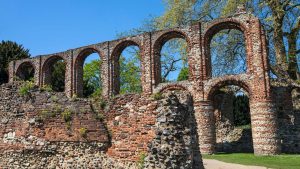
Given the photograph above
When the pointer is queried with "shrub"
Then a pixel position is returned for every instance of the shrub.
(67, 115)
(83, 132)
(68, 124)
(99, 116)
(25, 88)
(141, 161)
(54, 98)
(46, 114)
(102, 104)
(46, 88)
(157, 96)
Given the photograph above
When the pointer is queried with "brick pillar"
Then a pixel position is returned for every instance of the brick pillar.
(69, 75)
(264, 128)
(206, 126)
(263, 114)
(146, 63)
(105, 76)
(11, 71)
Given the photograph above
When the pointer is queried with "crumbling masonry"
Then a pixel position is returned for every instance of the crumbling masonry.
(201, 85)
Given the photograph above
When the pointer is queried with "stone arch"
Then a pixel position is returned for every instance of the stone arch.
(47, 68)
(213, 29)
(225, 82)
(26, 70)
(78, 68)
(157, 47)
(172, 87)
(115, 66)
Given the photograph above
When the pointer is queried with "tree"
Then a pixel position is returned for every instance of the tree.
(92, 78)
(184, 74)
(279, 17)
(58, 76)
(130, 72)
(10, 51)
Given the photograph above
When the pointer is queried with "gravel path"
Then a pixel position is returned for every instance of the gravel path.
(215, 164)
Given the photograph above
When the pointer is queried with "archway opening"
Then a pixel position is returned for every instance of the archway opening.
(228, 53)
(174, 60)
(54, 71)
(25, 72)
(130, 70)
(88, 74)
(232, 119)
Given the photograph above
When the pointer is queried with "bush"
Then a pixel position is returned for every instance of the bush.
(46, 88)
(102, 104)
(83, 132)
(54, 99)
(141, 161)
(157, 96)
(25, 88)
(46, 114)
(100, 116)
(67, 115)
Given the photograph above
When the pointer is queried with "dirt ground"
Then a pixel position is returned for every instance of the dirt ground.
(215, 164)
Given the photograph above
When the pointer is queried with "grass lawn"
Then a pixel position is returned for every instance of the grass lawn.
(276, 162)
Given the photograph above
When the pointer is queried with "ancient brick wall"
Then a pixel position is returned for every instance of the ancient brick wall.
(50, 117)
(201, 85)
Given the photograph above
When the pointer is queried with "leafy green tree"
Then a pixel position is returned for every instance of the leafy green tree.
(241, 110)
(279, 17)
(92, 78)
(130, 72)
(184, 74)
(58, 76)
(10, 51)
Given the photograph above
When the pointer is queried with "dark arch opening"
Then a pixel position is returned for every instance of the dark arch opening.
(88, 74)
(25, 71)
(232, 119)
(225, 48)
(127, 68)
(171, 57)
(54, 71)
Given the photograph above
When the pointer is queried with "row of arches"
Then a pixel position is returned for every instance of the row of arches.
(171, 53)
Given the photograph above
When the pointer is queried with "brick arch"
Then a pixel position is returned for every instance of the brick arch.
(212, 30)
(78, 68)
(225, 82)
(115, 66)
(172, 87)
(157, 47)
(46, 68)
(20, 70)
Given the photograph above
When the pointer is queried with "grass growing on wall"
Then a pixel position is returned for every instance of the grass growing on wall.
(276, 162)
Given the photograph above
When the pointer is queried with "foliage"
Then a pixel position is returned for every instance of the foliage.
(141, 161)
(10, 51)
(83, 132)
(184, 74)
(241, 110)
(24, 90)
(173, 59)
(281, 20)
(92, 78)
(58, 76)
(46, 114)
(99, 116)
(46, 88)
(130, 71)
(67, 115)
(54, 98)
(276, 162)
(157, 96)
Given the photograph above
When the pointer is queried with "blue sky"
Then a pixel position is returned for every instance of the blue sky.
(50, 26)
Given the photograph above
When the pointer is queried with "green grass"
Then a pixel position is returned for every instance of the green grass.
(276, 162)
